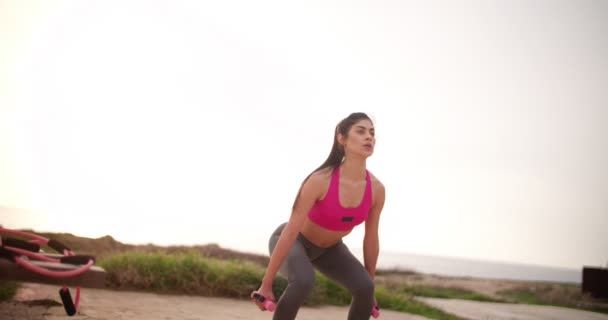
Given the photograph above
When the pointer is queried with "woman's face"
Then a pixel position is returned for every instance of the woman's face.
(360, 139)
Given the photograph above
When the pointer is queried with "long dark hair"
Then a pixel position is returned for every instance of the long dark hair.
(336, 155)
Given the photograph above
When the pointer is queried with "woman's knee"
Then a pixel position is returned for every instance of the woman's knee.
(363, 287)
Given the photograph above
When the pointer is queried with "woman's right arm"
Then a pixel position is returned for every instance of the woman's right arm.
(311, 191)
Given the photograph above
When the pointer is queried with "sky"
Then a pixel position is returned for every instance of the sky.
(188, 122)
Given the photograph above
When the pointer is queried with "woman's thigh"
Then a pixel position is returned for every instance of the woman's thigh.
(340, 265)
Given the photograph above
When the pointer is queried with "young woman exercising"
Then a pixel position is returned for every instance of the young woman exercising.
(332, 200)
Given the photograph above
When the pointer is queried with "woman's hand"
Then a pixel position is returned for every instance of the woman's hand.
(266, 293)
(376, 309)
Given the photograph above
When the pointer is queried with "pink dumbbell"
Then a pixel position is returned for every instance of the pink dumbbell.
(375, 311)
(267, 303)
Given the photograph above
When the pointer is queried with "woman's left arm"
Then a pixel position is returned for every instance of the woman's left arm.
(371, 242)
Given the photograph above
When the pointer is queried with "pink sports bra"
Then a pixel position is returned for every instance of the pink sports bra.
(329, 213)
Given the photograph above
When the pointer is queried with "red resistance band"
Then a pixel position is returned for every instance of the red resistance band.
(24, 253)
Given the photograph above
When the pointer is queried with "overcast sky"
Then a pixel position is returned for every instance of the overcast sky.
(189, 122)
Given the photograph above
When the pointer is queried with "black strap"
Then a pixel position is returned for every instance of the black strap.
(7, 254)
(21, 244)
(78, 259)
(57, 246)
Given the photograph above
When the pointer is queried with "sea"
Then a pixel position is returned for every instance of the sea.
(461, 267)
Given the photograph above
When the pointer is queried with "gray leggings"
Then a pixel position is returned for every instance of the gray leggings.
(335, 262)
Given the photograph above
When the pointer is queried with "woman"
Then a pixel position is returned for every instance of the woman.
(332, 200)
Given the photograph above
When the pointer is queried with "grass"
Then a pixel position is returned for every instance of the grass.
(443, 292)
(560, 295)
(405, 303)
(191, 273)
(8, 289)
(213, 271)
(524, 296)
(181, 273)
(447, 293)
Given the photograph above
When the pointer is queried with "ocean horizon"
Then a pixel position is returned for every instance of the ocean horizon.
(462, 267)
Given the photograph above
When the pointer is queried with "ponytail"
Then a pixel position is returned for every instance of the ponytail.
(336, 155)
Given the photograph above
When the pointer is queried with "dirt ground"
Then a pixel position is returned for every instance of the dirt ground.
(100, 304)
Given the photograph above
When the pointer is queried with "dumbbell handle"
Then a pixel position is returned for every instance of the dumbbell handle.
(267, 303)
(375, 311)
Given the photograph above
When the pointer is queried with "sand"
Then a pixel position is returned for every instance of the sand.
(98, 304)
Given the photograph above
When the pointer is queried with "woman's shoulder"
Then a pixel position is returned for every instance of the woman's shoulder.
(317, 183)
(377, 185)
(378, 191)
(321, 176)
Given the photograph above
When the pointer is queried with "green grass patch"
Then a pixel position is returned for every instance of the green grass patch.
(559, 295)
(8, 289)
(446, 293)
(524, 296)
(191, 273)
(406, 303)
(186, 272)
(597, 309)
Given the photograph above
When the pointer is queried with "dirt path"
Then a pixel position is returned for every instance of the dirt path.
(506, 311)
(99, 304)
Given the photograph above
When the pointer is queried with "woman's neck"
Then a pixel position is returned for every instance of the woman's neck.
(353, 169)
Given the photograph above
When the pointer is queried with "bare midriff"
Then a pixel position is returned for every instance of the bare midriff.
(320, 236)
